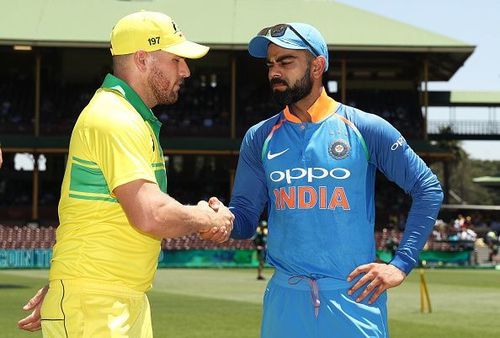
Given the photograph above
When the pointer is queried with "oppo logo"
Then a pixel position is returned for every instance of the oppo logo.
(311, 174)
(398, 143)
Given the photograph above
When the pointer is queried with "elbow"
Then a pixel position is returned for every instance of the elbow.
(438, 193)
(144, 226)
(153, 223)
(148, 222)
(429, 190)
(440, 196)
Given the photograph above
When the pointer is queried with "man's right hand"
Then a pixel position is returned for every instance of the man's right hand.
(223, 222)
(32, 322)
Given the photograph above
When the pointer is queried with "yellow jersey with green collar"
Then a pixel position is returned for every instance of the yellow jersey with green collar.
(115, 141)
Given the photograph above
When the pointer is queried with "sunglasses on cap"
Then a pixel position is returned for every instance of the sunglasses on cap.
(279, 30)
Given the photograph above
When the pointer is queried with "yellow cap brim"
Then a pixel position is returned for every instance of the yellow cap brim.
(187, 49)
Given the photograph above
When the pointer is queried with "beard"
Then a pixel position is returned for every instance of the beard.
(301, 89)
(162, 88)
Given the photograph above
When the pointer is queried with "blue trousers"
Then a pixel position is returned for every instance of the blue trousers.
(300, 307)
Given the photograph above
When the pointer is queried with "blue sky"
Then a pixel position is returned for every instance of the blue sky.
(474, 22)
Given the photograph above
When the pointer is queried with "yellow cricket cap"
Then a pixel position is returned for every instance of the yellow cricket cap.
(151, 31)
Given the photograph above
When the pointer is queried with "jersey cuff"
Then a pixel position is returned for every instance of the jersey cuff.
(402, 263)
(138, 175)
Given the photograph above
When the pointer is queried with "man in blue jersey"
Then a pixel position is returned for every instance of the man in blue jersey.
(314, 166)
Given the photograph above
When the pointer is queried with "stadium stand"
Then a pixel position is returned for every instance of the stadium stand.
(27, 237)
(23, 237)
(16, 102)
(454, 243)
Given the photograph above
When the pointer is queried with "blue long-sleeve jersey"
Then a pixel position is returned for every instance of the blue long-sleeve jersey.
(318, 182)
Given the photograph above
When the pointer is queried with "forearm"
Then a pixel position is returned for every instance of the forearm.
(250, 189)
(155, 213)
(172, 219)
(245, 223)
(247, 202)
(421, 219)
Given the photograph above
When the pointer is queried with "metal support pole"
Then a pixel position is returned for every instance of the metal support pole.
(233, 96)
(344, 81)
(36, 181)
(426, 97)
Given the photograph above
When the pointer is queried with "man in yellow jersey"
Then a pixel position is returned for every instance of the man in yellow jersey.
(114, 209)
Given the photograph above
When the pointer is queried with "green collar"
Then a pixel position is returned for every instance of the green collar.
(117, 85)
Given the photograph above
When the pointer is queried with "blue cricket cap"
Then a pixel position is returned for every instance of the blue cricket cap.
(291, 36)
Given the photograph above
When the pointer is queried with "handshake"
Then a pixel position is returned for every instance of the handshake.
(220, 224)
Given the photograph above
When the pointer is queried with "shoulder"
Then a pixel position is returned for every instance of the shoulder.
(261, 130)
(377, 135)
(363, 120)
(372, 128)
(107, 111)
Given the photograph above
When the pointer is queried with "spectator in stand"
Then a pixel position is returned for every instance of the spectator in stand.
(459, 221)
(495, 226)
(492, 241)
(453, 234)
(466, 233)
(439, 232)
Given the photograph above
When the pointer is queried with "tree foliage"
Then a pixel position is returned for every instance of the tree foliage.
(462, 170)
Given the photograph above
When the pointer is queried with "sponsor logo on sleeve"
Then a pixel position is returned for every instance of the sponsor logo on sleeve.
(399, 143)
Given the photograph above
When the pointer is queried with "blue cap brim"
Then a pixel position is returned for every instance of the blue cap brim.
(257, 47)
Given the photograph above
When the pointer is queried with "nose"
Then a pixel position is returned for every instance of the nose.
(184, 71)
(273, 72)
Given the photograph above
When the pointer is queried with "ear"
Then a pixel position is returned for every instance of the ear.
(318, 66)
(141, 60)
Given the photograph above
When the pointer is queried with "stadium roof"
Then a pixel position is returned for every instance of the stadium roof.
(492, 181)
(464, 98)
(471, 207)
(227, 24)
(475, 98)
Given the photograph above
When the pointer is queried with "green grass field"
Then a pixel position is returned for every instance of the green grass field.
(227, 303)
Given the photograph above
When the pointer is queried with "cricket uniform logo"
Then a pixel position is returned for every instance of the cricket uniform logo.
(339, 149)
(271, 156)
